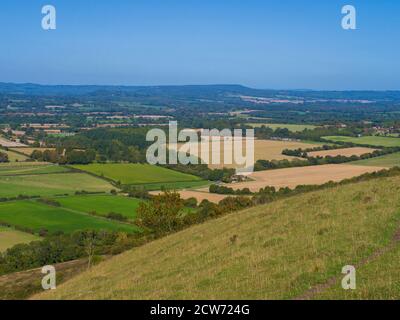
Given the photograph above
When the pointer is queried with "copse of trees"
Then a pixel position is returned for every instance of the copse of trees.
(136, 192)
(50, 202)
(70, 157)
(303, 152)
(202, 171)
(110, 144)
(316, 134)
(229, 191)
(4, 157)
(63, 247)
(162, 214)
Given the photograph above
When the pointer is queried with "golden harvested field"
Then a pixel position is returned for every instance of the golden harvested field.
(199, 195)
(263, 150)
(292, 177)
(28, 151)
(347, 152)
(202, 195)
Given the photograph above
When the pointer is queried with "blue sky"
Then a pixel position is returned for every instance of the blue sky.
(285, 44)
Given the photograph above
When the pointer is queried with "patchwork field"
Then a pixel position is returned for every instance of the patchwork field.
(101, 204)
(10, 237)
(346, 152)
(30, 168)
(263, 150)
(37, 216)
(290, 127)
(368, 140)
(51, 184)
(389, 160)
(282, 250)
(292, 177)
(139, 174)
(28, 151)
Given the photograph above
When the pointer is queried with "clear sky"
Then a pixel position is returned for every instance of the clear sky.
(285, 44)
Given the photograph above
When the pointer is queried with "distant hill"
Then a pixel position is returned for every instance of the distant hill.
(288, 249)
(192, 91)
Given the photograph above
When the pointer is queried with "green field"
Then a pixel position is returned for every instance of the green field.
(367, 140)
(138, 174)
(282, 250)
(102, 204)
(290, 127)
(389, 160)
(10, 237)
(51, 184)
(27, 168)
(36, 216)
(13, 156)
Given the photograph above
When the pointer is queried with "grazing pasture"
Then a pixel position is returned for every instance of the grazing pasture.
(10, 237)
(30, 168)
(101, 204)
(292, 177)
(346, 152)
(389, 160)
(51, 184)
(137, 174)
(367, 140)
(37, 216)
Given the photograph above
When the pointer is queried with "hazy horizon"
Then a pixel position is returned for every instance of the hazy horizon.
(290, 44)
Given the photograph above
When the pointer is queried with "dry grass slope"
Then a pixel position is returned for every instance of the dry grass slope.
(282, 249)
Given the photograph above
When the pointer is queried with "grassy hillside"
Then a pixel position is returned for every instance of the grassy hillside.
(281, 251)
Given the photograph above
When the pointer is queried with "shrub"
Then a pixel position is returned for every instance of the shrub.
(191, 202)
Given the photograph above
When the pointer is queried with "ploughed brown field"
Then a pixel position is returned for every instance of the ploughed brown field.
(199, 195)
(347, 152)
(263, 150)
(292, 177)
